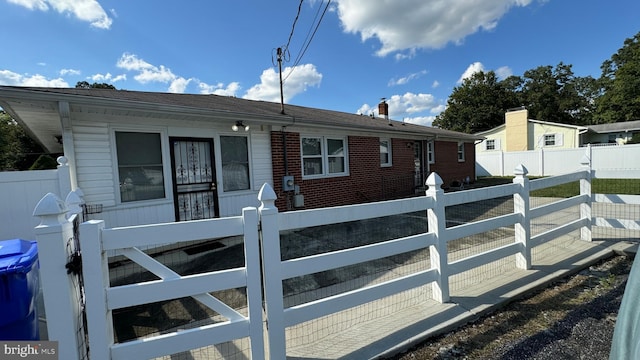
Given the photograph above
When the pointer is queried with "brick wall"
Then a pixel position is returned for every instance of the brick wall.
(368, 181)
(447, 164)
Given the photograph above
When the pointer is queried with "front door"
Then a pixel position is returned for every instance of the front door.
(194, 179)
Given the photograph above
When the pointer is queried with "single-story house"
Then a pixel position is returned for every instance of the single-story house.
(150, 157)
(519, 133)
(618, 133)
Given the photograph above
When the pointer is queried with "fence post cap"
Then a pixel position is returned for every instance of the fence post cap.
(267, 197)
(585, 161)
(520, 170)
(62, 161)
(74, 201)
(50, 209)
(434, 180)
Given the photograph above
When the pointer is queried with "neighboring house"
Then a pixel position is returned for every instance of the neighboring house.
(519, 133)
(618, 133)
(159, 157)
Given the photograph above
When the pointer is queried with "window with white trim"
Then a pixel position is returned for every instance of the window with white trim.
(492, 144)
(430, 152)
(551, 140)
(460, 151)
(385, 152)
(140, 167)
(235, 163)
(323, 156)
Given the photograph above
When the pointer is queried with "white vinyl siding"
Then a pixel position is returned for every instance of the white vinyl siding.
(94, 165)
(261, 159)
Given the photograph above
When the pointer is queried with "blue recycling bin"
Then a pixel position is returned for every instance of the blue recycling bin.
(19, 286)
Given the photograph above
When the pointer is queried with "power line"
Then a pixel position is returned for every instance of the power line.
(308, 38)
(293, 27)
(283, 53)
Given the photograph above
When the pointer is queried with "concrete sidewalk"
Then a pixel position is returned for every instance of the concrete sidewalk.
(383, 336)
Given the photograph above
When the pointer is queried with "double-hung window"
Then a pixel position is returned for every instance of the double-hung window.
(235, 163)
(460, 151)
(385, 152)
(323, 156)
(551, 139)
(140, 169)
(430, 152)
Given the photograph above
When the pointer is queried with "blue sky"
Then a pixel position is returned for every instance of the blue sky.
(411, 52)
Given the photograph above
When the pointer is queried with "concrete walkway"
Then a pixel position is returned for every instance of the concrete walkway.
(399, 330)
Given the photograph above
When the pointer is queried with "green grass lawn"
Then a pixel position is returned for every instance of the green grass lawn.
(598, 186)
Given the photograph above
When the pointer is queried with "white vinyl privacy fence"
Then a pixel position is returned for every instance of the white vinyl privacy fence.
(262, 317)
(549, 162)
(20, 191)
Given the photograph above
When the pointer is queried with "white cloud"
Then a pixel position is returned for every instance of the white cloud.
(408, 25)
(147, 73)
(406, 79)
(220, 89)
(365, 109)
(410, 103)
(108, 78)
(420, 120)
(14, 79)
(179, 85)
(472, 69)
(85, 10)
(400, 106)
(298, 79)
(435, 84)
(72, 72)
(503, 72)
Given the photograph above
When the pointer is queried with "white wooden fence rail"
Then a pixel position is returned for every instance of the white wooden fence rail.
(265, 271)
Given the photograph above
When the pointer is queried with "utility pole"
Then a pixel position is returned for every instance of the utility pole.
(279, 53)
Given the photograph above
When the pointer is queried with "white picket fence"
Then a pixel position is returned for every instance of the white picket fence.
(264, 270)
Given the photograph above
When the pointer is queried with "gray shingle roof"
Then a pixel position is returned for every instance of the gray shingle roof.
(237, 106)
(616, 127)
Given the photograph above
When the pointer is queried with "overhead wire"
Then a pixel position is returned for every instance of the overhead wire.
(293, 27)
(308, 38)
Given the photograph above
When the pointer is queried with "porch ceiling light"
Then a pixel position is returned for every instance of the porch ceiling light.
(239, 125)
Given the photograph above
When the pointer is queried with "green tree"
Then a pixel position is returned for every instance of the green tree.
(620, 80)
(478, 104)
(557, 95)
(17, 150)
(86, 85)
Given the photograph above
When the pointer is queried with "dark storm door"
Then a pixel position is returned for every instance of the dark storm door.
(194, 179)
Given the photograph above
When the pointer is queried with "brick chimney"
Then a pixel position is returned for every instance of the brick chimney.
(383, 108)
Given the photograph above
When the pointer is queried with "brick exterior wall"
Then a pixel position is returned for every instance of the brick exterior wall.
(368, 181)
(446, 162)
